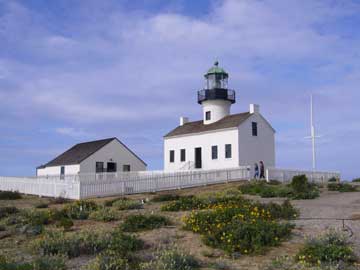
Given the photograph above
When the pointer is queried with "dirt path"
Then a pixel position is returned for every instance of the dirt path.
(331, 205)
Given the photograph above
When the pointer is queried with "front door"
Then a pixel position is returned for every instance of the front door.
(198, 161)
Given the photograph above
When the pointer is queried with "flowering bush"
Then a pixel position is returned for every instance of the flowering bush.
(332, 247)
(192, 202)
(245, 227)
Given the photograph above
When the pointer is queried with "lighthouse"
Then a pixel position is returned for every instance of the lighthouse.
(219, 139)
(216, 99)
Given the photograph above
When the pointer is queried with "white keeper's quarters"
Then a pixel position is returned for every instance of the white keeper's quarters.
(108, 155)
(220, 140)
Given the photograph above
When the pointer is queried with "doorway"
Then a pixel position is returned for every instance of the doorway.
(198, 159)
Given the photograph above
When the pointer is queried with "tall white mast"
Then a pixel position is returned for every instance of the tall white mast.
(312, 133)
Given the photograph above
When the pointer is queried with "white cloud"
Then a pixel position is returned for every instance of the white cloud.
(72, 132)
(126, 70)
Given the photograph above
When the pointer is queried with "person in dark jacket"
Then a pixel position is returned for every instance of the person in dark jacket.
(256, 169)
(262, 170)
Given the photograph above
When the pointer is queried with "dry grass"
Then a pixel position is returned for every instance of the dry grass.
(16, 244)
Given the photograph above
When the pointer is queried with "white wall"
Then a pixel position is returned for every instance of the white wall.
(55, 170)
(255, 148)
(218, 108)
(117, 153)
(205, 141)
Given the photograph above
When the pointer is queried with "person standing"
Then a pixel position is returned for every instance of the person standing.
(256, 169)
(262, 170)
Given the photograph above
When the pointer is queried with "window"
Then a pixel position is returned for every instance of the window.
(99, 167)
(214, 152)
(172, 156)
(126, 168)
(62, 172)
(227, 150)
(208, 115)
(182, 155)
(254, 128)
(111, 167)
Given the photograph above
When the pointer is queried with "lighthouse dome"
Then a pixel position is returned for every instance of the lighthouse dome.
(216, 70)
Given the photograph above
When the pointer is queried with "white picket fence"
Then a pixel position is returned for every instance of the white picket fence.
(82, 186)
(286, 175)
(51, 186)
(107, 184)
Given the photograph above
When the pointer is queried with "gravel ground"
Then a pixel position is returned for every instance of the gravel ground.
(331, 205)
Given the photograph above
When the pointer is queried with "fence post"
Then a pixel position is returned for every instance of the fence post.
(38, 183)
(267, 175)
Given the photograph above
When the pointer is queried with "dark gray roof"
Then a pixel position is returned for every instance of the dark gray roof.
(233, 120)
(81, 151)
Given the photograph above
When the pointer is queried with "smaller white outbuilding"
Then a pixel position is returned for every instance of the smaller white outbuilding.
(107, 155)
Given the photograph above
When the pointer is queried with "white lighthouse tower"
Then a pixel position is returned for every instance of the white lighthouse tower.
(216, 98)
(219, 139)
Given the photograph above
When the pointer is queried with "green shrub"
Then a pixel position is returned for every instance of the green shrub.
(220, 265)
(333, 247)
(126, 204)
(7, 210)
(109, 260)
(41, 263)
(49, 263)
(59, 200)
(136, 223)
(183, 204)
(10, 195)
(280, 211)
(2, 228)
(80, 209)
(36, 217)
(29, 222)
(41, 205)
(266, 190)
(333, 180)
(341, 187)
(171, 259)
(104, 214)
(356, 180)
(74, 245)
(303, 190)
(274, 182)
(165, 197)
(65, 223)
(110, 202)
(298, 189)
(57, 243)
(57, 214)
(300, 183)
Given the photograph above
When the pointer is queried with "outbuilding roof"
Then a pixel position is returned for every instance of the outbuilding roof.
(82, 151)
(233, 120)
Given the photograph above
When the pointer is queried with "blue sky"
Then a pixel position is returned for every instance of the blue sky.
(72, 71)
